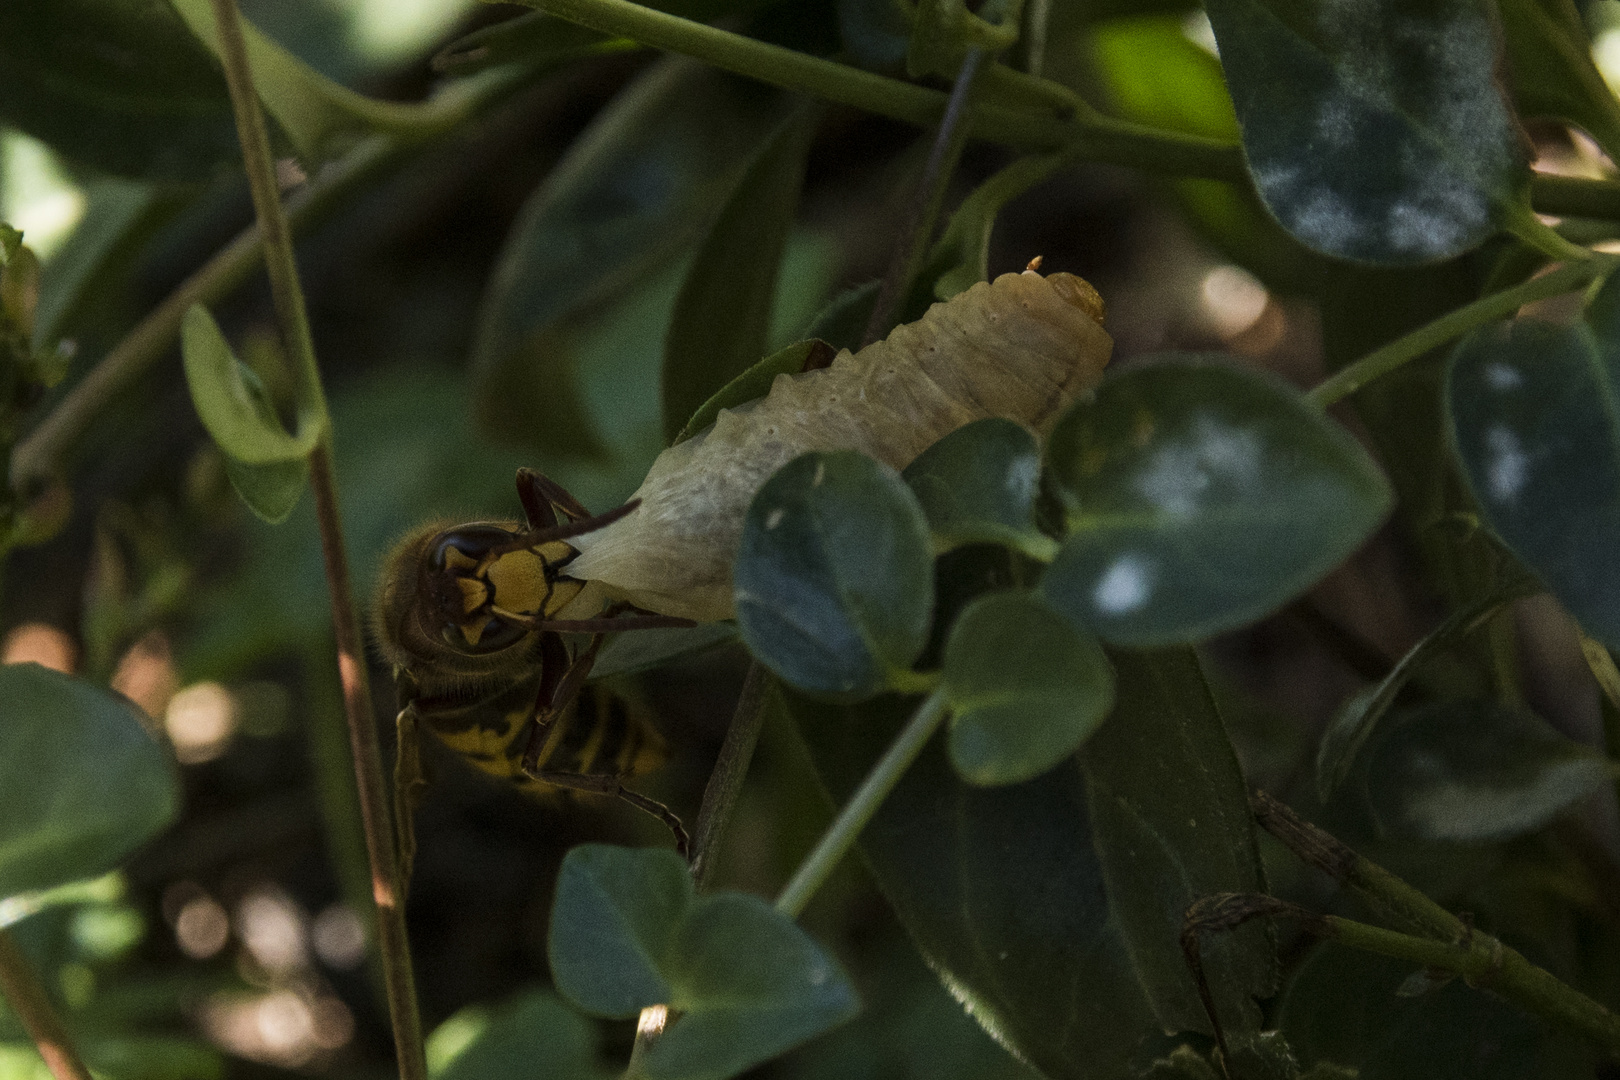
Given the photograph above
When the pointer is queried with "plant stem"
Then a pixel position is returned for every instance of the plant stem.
(1037, 13)
(1573, 196)
(1454, 324)
(1104, 138)
(840, 836)
(1447, 941)
(1484, 961)
(730, 769)
(33, 1008)
(918, 228)
(289, 302)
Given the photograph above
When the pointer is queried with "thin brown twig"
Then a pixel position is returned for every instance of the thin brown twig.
(730, 769)
(393, 944)
(32, 1006)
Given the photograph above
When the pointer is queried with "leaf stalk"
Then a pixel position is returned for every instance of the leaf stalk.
(32, 1006)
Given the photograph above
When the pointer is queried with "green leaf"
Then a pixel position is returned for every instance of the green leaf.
(267, 466)
(842, 322)
(978, 485)
(322, 118)
(1000, 888)
(644, 650)
(644, 180)
(723, 314)
(10, 243)
(1354, 724)
(1170, 815)
(1341, 1007)
(1199, 498)
(1550, 66)
(834, 576)
(85, 784)
(628, 931)
(1375, 131)
(755, 382)
(1025, 688)
(160, 110)
(1156, 75)
(943, 30)
(535, 1036)
(1535, 419)
(1477, 771)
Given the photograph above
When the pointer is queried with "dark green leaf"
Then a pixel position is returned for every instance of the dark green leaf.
(535, 1036)
(629, 931)
(943, 30)
(1347, 734)
(10, 243)
(1170, 814)
(755, 382)
(84, 783)
(834, 576)
(1374, 131)
(644, 650)
(1156, 75)
(1001, 890)
(723, 314)
(1341, 1007)
(120, 86)
(1476, 771)
(267, 466)
(644, 180)
(1025, 688)
(124, 1057)
(1201, 497)
(1550, 63)
(1533, 410)
(614, 925)
(875, 33)
(978, 485)
(842, 322)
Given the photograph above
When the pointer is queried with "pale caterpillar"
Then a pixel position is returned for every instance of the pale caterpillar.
(1022, 347)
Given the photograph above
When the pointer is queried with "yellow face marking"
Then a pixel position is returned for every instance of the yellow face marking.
(456, 559)
(473, 594)
(473, 631)
(518, 581)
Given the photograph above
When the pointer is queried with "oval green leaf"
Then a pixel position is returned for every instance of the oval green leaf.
(1476, 771)
(1535, 419)
(1377, 130)
(834, 576)
(535, 1036)
(84, 783)
(978, 485)
(756, 382)
(1025, 687)
(613, 926)
(1199, 498)
(629, 931)
(749, 985)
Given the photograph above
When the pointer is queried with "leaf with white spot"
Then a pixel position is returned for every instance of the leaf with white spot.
(1535, 419)
(1199, 497)
(1375, 129)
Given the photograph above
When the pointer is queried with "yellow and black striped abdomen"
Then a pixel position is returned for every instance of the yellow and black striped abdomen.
(602, 732)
